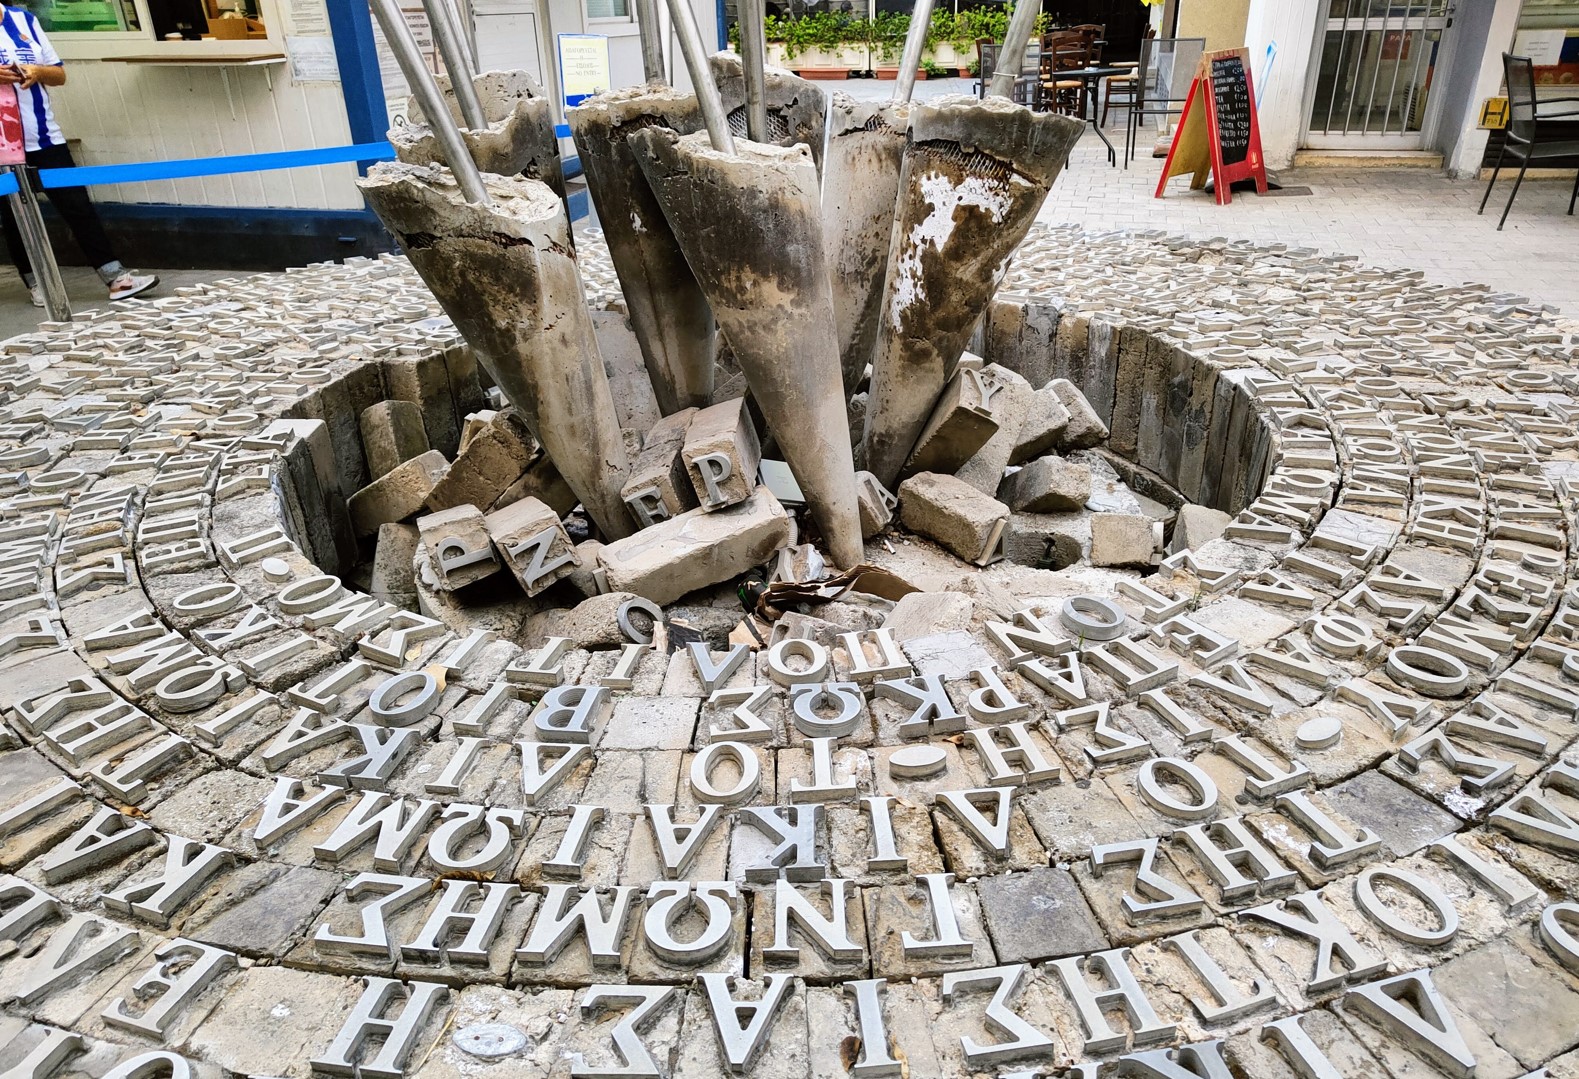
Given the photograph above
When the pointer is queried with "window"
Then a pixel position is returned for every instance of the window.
(608, 9)
(1549, 35)
(85, 16)
(194, 20)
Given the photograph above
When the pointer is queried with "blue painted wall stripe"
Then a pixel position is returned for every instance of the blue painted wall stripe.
(94, 175)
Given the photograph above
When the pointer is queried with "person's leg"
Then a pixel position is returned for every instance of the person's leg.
(13, 243)
(76, 209)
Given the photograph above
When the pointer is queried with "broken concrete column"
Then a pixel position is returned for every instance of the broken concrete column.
(533, 542)
(751, 226)
(392, 433)
(796, 107)
(722, 454)
(955, 514)
(673, 323)
(518, 141)
(460, 546)
(506, 275)
(658, 487)
(493, 459)
(866, 143)
(697, 549)
(975, 173)
(961, 423)
(397, 494)
(1048, 485)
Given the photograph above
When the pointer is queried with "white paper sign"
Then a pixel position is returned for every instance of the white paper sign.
(1543, 47)
(312, 59)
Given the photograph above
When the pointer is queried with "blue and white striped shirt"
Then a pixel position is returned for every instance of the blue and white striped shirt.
(23, 42)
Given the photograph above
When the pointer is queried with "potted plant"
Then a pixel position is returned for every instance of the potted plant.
(886, 38)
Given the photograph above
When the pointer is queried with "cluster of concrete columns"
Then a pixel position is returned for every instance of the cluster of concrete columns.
(832, 246)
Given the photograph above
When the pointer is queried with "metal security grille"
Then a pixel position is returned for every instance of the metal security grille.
(1373, 80)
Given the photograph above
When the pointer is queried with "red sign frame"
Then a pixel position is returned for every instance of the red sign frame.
(1197, 145)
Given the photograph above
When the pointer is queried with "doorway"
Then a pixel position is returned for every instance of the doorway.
(1372, 79)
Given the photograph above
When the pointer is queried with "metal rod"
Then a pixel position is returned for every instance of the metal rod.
(915, 42)
(447, 33)
(467, 55)
(1012, 56)
(461, 9)
(753, 49)
(706, 89)
(35, 240)
(651, 40)
(420, 79)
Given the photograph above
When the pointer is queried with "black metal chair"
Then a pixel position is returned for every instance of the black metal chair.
(986, 64)
(1523, 135)
(1025, 84)
(1167, 67)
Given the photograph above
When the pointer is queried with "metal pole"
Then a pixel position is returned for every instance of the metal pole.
(701, 78)
(1012, 56)
(651, 40)
(915, 42)
(420, 79)
(461, 11)
(35, 240)
(447, 32)
(753, 49)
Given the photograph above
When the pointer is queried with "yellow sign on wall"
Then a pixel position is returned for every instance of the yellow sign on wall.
(583, 66)
(1494, 114)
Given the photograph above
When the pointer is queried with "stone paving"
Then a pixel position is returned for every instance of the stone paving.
(1302, 799)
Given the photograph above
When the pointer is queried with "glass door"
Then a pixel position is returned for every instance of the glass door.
(1371, 85)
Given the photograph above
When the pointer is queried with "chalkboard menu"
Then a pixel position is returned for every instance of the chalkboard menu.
(1231, 96)
(1217, 131)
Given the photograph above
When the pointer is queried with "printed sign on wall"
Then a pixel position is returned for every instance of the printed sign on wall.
(583, 66)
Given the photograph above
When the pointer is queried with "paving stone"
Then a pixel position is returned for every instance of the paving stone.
(1404, 821)
(1038, 915)
(1084, 428)
(398, 494)
(1119, 539)
(1047, 485)
(958, 516)
(392, 433)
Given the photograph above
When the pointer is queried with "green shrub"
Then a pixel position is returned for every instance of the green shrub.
(885, 35)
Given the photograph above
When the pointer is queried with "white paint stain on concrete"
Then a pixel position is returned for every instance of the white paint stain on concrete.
(946, 199)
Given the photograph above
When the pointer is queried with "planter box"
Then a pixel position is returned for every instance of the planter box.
(892, 73)
(818, 63)
(944, 55)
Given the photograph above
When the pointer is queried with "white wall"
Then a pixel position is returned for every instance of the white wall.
(1486, 31)
(124, 113)
(1291, 26)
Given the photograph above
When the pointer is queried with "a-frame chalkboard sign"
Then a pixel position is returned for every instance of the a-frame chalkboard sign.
(1218, 129)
